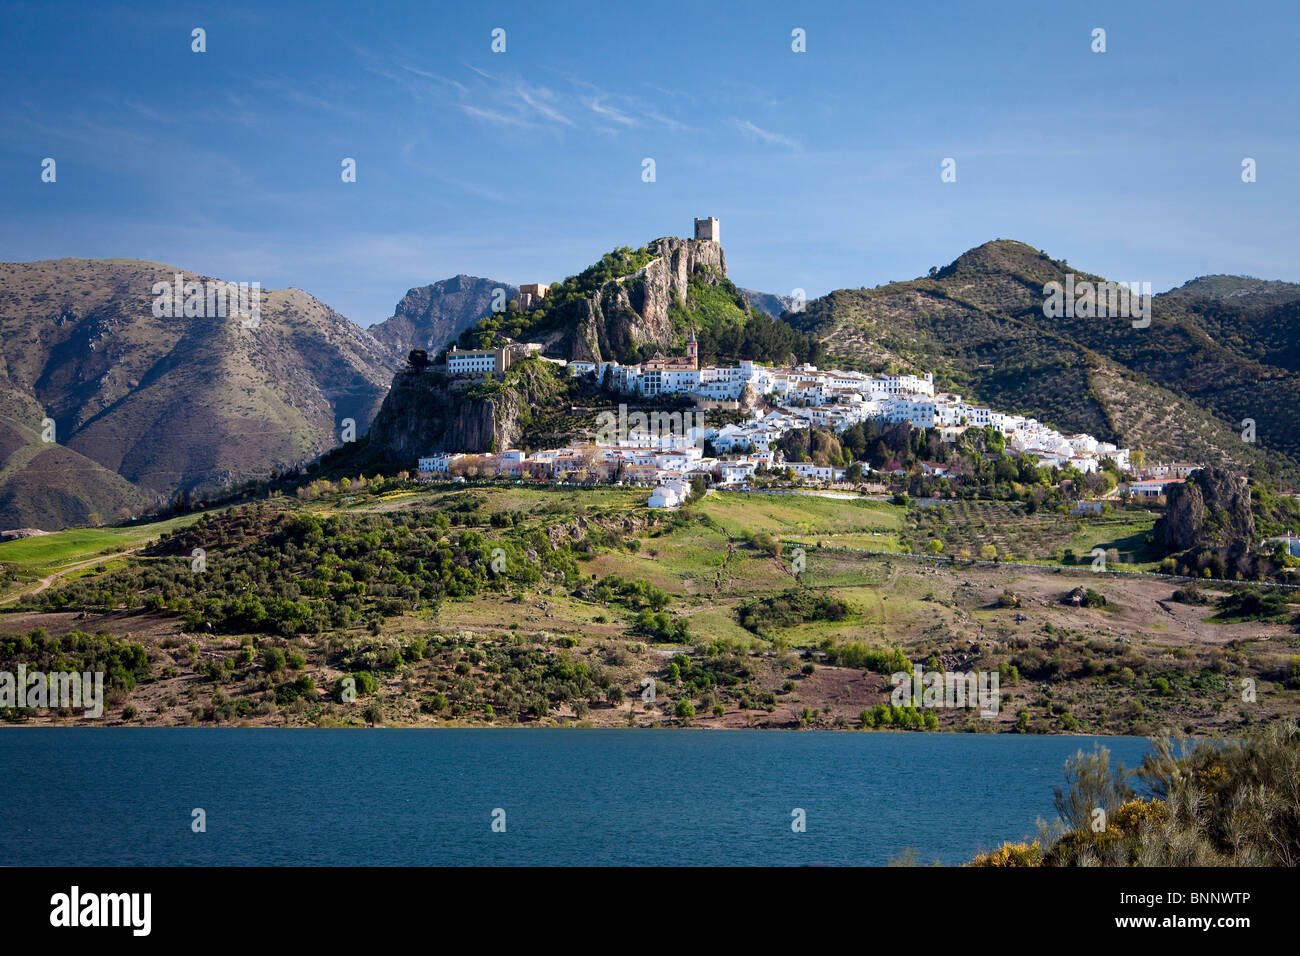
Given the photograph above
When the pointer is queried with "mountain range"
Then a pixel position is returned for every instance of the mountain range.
(107, 409)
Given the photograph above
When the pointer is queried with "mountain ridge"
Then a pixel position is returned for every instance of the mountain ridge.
(175, 406)
(146, 409)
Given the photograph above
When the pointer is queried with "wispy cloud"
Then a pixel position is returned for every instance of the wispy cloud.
(754, 131)
(610, 112)
(541, 99)
(492, 116)
(499, 99)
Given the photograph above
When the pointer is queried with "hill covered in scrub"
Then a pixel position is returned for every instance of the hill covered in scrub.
(1218, 351)
(503, 604)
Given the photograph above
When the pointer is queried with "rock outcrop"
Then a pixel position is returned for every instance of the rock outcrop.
(774, 305)
(428, 411)
(1210, 510)
(633, 311)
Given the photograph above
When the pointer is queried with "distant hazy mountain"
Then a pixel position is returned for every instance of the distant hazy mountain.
(145, 407)
(768, 302)
(432, 316)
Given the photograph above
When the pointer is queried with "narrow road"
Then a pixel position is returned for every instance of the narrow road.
(45, 582)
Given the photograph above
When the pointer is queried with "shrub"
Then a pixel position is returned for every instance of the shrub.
(1132, 814)
(366, 683)
(273, 659)
(1213, 803)
(1251, 605)
(1190, 594)
(1012, 854)
(861, 657)
(1091, 783)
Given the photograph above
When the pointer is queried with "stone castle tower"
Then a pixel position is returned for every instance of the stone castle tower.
(707, 229)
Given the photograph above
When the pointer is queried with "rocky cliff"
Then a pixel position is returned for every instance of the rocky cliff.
(768, 302)
(428, 411)
(634, 310)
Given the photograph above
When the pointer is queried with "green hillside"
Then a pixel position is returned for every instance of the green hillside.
(1178, 388)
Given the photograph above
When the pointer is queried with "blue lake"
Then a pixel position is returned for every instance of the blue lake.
(571, 797)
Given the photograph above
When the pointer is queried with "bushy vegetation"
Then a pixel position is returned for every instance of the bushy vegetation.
(900, 718)
(727, 330)
(790, 608)
(122, 662)
(859, 656)
(1208, 803)
(290, 573)
(1252, 605)
(551, 312)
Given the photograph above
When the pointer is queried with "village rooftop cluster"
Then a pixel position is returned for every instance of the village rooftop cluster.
(665, 450)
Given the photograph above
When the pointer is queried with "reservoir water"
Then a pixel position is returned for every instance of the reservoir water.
(88, 797)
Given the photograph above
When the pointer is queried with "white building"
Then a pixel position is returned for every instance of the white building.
(475, 361)
(668, 495)
(439, 463)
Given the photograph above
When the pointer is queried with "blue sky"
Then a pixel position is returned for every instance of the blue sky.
(823, 166)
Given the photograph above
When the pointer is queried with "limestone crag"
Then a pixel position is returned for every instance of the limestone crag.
(634, 310)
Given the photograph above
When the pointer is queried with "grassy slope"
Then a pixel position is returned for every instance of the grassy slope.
(33, 558)
(1097, 667)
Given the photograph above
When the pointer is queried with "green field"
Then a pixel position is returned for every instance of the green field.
(785, 515)
(33, 558)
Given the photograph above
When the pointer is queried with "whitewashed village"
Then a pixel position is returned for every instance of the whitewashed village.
(666, 451)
